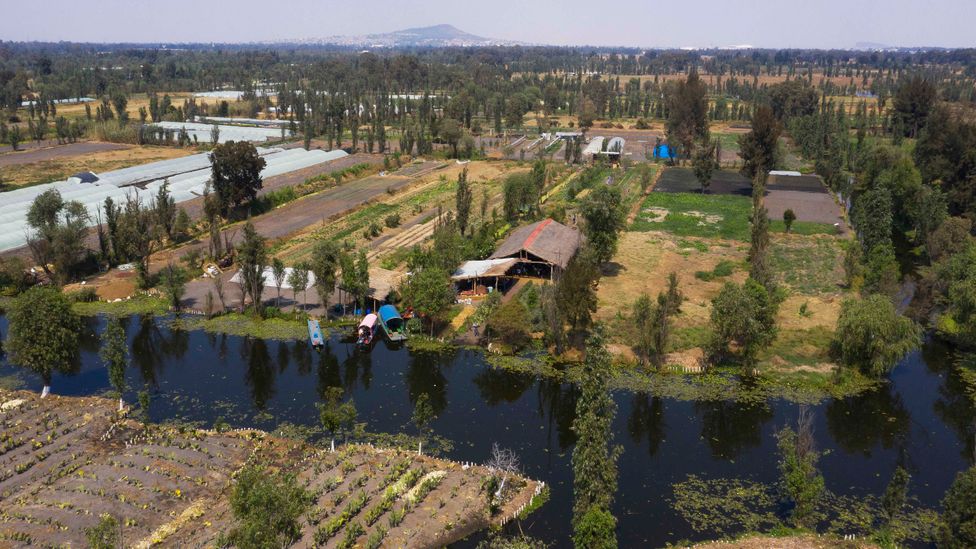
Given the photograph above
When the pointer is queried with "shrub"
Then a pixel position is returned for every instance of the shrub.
(268, 507)
(84, 295)
(392, 220)
(510, 324)
(959, 515)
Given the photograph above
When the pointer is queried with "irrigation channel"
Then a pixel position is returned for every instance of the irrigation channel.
(921, 419)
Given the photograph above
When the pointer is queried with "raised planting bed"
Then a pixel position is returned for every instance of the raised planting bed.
(66, 461)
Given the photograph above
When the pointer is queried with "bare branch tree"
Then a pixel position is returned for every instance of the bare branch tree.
(504, 460)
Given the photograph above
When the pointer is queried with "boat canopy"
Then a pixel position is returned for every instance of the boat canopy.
(368, 321)
(391, 318)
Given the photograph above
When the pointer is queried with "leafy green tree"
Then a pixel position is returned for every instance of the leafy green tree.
(450, 131)
(759, 268)
(164, 209)
(576, 290)
(43, 333)
(278, 274)
(596, 529)
(58, 230)
(759, 147)
(252, 257)
(463, 198)
(643, 317)
(326, 259)
(509, 323)
(605, 219)
(704, 163)
(744, 315)
(872, 336)
(801, 481)
(594, 459)
(423, 415)
(337, 417)
(268, 507)
(959, 512)
(520, 196)
(173, 281)
(789, 216)
(792, 98)
(115, 354)
(430, 293)
(687, 113)
(355, 276)
(236, 173)
(882, 273)
(298, 280)
(912, 104)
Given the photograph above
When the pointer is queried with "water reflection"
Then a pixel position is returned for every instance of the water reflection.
(646, 421)
(260, 374)
(861, 422)
(497, 386)
(731, 427)
(424, 375)
(557, 406)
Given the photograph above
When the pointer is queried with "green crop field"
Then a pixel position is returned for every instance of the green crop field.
(709, 216)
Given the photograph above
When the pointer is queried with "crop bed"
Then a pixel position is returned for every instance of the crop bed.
(66, 461)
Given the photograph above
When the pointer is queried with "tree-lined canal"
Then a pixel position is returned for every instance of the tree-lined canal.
(922, 419)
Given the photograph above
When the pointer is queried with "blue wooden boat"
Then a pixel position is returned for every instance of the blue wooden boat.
(315, 334)
(392, 323)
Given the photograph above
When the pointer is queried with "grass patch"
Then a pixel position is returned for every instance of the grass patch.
(709, 216)
(723, 269)
(808, 265)
(688, 214)
(698, 245)
(138, 305)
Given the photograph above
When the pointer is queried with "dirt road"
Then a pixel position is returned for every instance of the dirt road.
(32, 155)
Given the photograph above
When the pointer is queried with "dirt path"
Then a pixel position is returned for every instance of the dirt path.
(57, 151)
(635, 209)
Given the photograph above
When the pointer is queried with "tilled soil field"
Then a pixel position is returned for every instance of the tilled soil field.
(682, 180)
(67, 461)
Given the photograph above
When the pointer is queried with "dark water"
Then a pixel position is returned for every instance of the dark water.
(922, 418)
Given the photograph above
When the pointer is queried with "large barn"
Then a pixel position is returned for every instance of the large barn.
(540, 250)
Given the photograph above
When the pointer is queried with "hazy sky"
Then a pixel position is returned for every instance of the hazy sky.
(659, 23)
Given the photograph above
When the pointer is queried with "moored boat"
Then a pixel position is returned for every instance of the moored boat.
(315, 334)
(366, 330)
(393, 324)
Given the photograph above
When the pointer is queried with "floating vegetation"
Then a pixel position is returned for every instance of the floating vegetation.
(726, 507)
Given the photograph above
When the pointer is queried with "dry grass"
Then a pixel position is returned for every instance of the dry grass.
(58, 169)
(645, 259)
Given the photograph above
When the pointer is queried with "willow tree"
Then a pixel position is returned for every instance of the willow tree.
(43, 334)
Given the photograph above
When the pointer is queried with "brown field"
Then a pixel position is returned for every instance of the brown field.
(136, 101)
(645, 259)
(66, 461)
(59, 168)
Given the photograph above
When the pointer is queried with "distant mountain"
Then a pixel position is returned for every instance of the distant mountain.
(433, 36)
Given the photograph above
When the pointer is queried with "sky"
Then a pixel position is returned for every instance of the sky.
(639, 23)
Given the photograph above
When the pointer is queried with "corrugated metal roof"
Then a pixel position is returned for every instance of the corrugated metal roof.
(483, 267)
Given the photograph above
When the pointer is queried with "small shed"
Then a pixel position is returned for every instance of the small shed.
(479, 277)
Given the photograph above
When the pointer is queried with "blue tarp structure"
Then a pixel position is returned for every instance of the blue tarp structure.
(664, 151)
